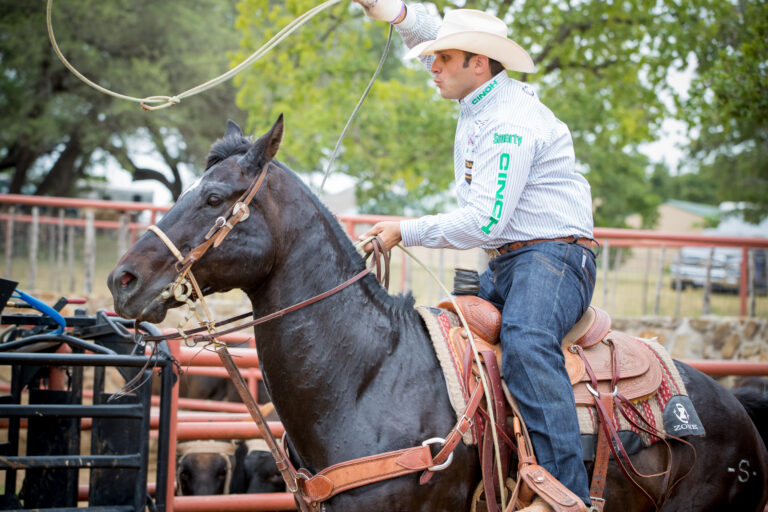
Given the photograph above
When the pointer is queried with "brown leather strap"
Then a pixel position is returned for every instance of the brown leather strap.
(489, 472)
(454, 436)
(261, 320)
(375, 468)
(366, 470)
(223, 225)
(602, 457)
(380, 260)
(609, 429)
(548, 488)
(513, 246)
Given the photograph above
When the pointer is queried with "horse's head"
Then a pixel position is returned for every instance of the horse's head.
(234, 167)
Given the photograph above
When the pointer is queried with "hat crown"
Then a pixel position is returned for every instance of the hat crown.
(471, 20)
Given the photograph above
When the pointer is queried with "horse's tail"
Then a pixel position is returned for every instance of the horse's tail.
(755, 401)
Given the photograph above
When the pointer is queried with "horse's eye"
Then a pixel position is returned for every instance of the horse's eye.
(213, 200)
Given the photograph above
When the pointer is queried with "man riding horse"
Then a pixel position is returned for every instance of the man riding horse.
(521, 199)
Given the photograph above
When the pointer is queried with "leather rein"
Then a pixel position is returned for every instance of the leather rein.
(309, 490)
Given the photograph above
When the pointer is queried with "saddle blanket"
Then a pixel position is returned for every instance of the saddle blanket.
(669, 410)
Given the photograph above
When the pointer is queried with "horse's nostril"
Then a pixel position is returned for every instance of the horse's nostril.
(126, 278)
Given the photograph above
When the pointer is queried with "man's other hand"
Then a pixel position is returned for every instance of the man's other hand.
(387, 231)
(392, 11)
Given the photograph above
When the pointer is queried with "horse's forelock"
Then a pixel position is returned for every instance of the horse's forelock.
(226, 147)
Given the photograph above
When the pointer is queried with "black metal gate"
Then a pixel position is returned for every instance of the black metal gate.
(53, 459)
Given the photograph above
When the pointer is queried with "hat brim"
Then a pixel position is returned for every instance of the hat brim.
(502, 49)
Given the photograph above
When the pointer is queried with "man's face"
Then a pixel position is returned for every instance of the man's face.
(453, 79)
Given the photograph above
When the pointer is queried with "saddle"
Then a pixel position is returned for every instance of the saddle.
(639, 373)
(601, 365)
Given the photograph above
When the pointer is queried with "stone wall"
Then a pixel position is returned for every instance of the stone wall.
(704, 337)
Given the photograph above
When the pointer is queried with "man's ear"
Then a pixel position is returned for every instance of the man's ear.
(482, 64)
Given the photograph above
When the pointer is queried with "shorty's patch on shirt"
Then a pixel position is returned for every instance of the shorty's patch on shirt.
(507, 138)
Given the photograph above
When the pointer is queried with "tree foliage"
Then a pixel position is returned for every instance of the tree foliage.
(728, 106)
(57, 131)
(600, 66)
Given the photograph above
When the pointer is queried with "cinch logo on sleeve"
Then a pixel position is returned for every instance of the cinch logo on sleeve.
(485, 91)
(502, 138)
(499, 204)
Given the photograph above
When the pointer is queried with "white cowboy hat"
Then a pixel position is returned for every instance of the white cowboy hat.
(476, 32)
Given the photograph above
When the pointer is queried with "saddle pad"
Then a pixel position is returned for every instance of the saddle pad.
(439, 323)
(661, 410)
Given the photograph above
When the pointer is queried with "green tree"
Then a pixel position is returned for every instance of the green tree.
(686, 186)
(399, 147)
(57, 130)
(728, 106)
(600, 66)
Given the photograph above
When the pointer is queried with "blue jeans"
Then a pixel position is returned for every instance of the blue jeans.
(542, 290)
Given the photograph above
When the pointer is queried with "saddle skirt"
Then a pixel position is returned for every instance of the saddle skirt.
(644, 371)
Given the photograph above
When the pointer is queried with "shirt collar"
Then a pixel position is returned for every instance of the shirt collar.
(476, 100)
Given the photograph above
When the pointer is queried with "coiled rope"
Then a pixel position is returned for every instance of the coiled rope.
(163, 101)
(158, 102)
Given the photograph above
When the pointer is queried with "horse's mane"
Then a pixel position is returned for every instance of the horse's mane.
(400, 305)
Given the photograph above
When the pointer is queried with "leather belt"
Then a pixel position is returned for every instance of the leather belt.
(513, 246)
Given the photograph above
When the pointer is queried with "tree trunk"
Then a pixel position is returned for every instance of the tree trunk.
(61, 171)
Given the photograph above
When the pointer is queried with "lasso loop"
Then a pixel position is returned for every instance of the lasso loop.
(158, 102)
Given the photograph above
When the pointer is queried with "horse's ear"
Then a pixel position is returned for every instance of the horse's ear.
(233, 129)
(264, 149)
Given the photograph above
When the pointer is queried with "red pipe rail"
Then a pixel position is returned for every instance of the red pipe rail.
(616, 236)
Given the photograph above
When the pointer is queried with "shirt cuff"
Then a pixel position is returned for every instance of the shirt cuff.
(409, 232)
(409, 21)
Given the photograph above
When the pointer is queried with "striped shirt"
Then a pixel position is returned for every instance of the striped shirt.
(514, 166)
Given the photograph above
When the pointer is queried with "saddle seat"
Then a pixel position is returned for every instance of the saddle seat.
(639, 372)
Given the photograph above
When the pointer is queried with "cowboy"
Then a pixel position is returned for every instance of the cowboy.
(519, 198)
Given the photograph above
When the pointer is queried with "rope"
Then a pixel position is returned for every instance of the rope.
(162, 101)
(357, 107)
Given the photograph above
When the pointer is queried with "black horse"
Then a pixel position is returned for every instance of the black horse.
(355, 374)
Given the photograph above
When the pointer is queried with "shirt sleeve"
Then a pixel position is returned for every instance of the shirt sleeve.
(418, 26)
(502, 163)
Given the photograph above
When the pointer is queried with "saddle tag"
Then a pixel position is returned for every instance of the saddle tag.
(680, 418)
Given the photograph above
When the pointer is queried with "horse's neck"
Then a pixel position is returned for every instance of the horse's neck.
(341, 353)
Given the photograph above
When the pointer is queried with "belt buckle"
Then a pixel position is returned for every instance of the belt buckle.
(492, 254)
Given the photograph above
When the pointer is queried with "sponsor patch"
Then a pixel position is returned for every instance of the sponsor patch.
(680, 418)
(507, 138)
